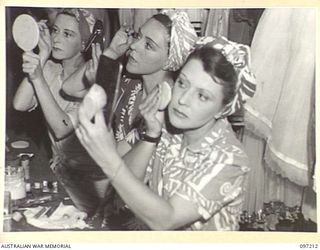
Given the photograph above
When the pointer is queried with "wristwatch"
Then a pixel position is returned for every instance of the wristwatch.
(144, 137)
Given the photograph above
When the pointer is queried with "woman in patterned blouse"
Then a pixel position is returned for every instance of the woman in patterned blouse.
(159, 48)
(193, 179)
(155, 54)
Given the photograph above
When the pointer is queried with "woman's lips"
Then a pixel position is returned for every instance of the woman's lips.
(56, 49)
(179, 113)
(132, 59)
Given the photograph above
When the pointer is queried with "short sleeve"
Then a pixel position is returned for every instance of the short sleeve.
(50, 70)
(35, 105)
(72, 112)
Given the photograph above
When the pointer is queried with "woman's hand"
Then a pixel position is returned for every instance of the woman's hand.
(119, 44)
(98, 141)
(149, 109)
(45, 45)
(31, 65)
(92, 64)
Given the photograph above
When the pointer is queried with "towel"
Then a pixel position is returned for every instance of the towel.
(64, 217)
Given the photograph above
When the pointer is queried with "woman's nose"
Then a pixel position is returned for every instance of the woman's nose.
(185, 97)
(135, 44)
(55, 37)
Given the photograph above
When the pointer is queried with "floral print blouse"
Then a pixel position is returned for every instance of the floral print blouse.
(126, 118)
(212, 175)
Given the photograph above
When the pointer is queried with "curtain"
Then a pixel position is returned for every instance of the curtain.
(277, 118)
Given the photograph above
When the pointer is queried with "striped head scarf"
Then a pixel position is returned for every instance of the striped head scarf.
(86, 21)
(182, 39)
(239, 56)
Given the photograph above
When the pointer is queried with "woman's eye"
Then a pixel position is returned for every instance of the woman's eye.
(136, 36)
(203, 97)
(54, 30)
(181, 84)
(66, 34)
(148, 46)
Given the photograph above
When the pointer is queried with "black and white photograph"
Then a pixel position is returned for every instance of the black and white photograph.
(160, 119)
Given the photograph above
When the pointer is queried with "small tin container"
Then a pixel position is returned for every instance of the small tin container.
(45, 188)
(28, 187)
(24, 162)
(55, 187)
(37, 185)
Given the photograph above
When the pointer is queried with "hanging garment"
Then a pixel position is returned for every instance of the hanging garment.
(126, 17)
(140, 16)
(242, 24)
(197, 18)
(217, 23)
(283, 59)
(265, 185)
(135, 18)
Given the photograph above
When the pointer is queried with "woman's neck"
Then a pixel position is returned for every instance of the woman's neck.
(70, 65)
(194, 136)
(150, 81)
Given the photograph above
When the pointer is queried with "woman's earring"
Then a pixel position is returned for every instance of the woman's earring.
(83, 45)
(217, 116)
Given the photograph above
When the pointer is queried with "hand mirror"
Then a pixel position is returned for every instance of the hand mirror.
(25, 32)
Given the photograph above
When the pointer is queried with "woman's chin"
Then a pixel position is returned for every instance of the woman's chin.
(177, 123)
(57, 56)
(132, 69)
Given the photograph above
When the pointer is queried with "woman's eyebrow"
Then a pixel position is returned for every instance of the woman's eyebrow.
(152, 41)
(71, 31)
(149, 38)
(183, 77)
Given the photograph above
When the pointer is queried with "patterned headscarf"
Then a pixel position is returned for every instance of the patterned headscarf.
(86, 21)
(182, 40)
(239, 56)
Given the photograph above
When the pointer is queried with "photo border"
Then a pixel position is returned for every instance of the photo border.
(163, 236)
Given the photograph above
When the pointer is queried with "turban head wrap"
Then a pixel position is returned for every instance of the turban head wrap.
(182, 39)
(239, 56)
(86, 21)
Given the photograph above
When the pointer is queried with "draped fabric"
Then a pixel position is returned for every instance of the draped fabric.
(265, 185)
(279, 138)
(217, 23)
(284, 65)
(197, 18)
(126, 17)
(242, 24)
(182, 39)
(135, 18)
(140, 16)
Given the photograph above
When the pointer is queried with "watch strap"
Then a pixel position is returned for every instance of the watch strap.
(147, 138)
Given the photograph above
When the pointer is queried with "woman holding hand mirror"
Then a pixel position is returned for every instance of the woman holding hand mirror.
(44, 80)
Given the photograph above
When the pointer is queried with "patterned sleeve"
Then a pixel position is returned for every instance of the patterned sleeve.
(214, 188)
(126, 118)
